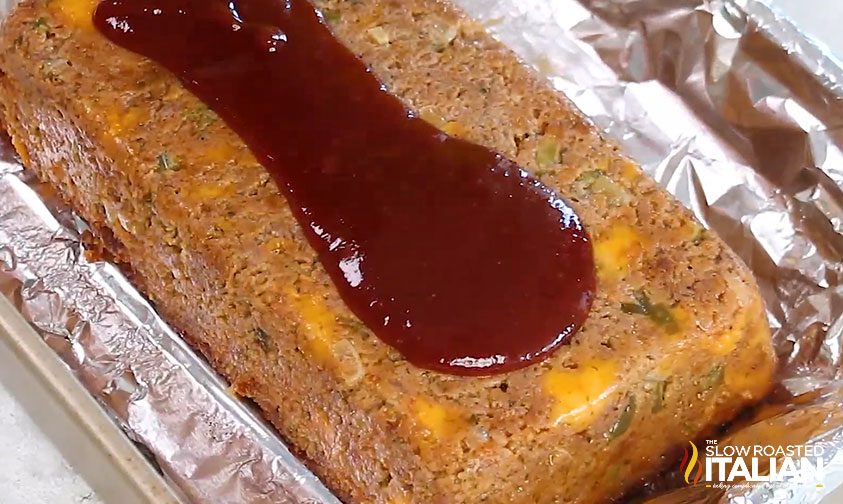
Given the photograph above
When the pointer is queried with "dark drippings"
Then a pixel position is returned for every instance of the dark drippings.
(446, 250)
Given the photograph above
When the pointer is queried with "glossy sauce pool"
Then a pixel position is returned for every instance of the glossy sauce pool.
(446, 250)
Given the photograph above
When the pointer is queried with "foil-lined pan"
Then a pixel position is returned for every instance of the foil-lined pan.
(723, 102)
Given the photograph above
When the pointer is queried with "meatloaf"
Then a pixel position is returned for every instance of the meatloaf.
(676, 342)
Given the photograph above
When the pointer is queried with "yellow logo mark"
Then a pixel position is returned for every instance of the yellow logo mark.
(689, 463)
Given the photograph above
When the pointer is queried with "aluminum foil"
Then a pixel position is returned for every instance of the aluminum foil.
(723, 102)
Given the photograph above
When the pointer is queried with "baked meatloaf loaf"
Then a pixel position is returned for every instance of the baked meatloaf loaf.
(675, 343)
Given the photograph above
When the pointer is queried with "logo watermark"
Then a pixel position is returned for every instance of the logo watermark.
(728, 466)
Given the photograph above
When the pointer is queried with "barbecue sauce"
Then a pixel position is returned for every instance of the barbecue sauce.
(446, 250)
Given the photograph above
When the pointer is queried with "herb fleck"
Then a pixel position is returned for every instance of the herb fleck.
(263, 338)
(351, 323)
(201, 117)
(166, 162)
(699, 235)
(613, 473)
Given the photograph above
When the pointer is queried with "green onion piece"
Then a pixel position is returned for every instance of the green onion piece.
(714, 378)
(379, 35)
(331, 16)
(548, 151)
(613, 472)
(615, 194)
(442, 37)
(624, 420)
(657, 388)
(659, 313)
(587, 178)
(633, 309)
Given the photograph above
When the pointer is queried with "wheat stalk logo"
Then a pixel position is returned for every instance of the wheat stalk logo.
(689, 463)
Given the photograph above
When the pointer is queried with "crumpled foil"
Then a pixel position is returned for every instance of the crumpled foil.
(723, 102)
(211, 446)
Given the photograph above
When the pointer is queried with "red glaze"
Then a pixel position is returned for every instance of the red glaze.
(446, 250)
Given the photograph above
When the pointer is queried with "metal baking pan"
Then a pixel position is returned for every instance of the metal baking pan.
(74, 422)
